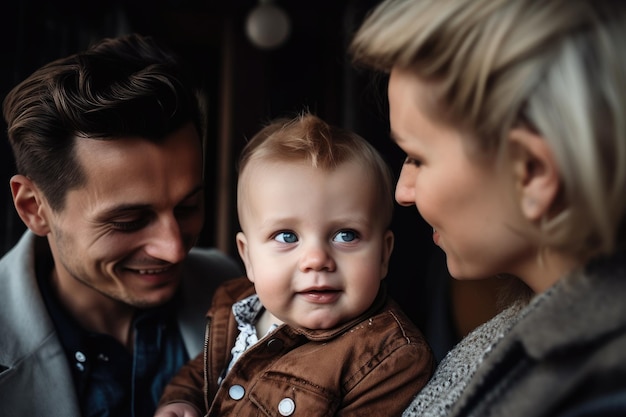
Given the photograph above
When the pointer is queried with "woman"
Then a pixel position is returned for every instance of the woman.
(512, 114)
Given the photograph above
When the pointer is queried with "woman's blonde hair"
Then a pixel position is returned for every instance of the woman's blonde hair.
(557, 67)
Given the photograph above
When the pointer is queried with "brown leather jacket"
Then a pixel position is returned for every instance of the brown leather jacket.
(372, 366)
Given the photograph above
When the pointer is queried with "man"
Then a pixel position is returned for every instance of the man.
(101, 301)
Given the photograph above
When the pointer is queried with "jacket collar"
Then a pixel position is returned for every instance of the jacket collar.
(586, 305)
(238, 289)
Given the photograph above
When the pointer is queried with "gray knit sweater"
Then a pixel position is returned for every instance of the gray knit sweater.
(458, 366)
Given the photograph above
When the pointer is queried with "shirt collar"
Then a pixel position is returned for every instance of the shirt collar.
(73, 337)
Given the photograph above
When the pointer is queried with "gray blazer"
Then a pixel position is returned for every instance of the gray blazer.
(35, 378)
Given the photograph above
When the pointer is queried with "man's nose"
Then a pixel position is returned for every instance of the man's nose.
(166, 241)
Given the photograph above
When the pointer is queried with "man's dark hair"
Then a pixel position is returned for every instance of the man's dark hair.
(120, 87)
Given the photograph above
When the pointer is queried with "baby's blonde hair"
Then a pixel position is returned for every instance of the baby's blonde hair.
(309, 139)
(557, 67)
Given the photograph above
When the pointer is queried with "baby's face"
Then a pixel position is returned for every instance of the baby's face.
(314, 243)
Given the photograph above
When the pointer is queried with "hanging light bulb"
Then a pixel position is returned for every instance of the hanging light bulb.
(267, 25)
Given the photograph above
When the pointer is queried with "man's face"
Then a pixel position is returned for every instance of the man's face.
(122, 236)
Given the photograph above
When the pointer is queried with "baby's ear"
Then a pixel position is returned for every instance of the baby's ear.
(30, 204)
(242, 247)
(537, 176)
(388, 241)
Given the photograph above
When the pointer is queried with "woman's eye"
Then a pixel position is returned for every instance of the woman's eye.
(412, 161)
(286, 237)
(345, 236)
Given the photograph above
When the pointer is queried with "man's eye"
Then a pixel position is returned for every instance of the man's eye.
(129, 226)
(345, 236)
(187, 210)
(286, 237)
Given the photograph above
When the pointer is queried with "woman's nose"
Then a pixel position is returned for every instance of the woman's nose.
(405, 188)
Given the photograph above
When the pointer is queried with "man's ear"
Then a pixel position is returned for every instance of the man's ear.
(536, 172)
(29, 204)
(242, 247)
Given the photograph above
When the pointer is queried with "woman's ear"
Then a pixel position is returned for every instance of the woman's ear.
(242, 247)
(537, 175)
(30, 204)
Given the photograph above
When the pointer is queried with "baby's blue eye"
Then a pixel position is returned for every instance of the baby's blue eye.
(286, 237)
(345, 236)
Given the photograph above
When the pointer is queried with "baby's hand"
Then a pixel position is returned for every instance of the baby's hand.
(177, 410)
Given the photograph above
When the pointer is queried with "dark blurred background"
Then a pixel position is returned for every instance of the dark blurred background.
(246, 85)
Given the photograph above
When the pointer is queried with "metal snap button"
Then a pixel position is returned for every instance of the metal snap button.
(286, 407)
(236, 392)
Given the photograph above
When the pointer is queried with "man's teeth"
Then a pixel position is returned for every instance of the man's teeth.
(151, 271)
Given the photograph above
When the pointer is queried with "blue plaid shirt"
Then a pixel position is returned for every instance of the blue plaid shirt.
(110, 381)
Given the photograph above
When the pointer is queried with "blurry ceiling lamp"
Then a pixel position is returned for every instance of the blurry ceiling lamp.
(267, 25)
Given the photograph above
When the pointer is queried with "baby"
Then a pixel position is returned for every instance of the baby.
(310, 331)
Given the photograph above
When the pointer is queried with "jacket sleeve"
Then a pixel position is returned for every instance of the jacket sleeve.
(187, 385)
(388, 388)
